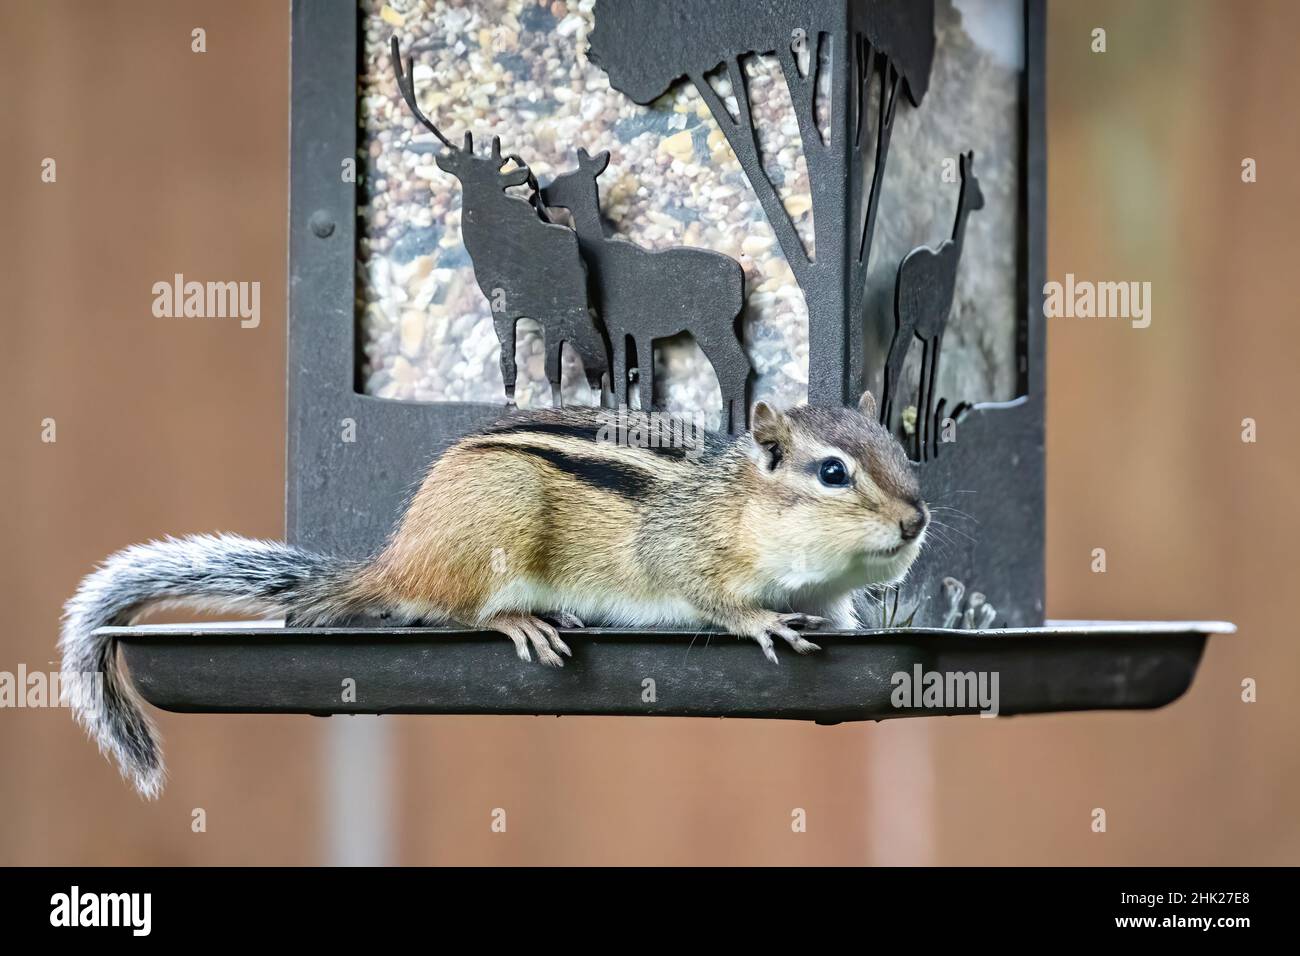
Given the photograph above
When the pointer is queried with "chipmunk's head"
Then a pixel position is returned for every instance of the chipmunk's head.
(843, 483)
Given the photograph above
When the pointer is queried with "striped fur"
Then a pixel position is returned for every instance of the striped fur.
(548, 517)
(221, 573)
(543, 514)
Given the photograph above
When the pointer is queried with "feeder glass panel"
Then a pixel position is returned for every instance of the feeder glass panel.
(519, 69)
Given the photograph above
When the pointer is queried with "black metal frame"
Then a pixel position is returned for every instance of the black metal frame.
(342, 497)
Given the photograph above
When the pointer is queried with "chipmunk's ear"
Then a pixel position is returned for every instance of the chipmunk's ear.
(771, 433)
(867, 404)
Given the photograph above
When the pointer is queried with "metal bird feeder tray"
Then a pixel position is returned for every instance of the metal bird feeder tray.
(664, 205)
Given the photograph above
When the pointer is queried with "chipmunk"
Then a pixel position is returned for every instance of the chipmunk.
(535, 517)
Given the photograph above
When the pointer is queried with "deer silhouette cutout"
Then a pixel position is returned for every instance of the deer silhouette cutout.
(643, 295)
(526, 265)
(923, 297)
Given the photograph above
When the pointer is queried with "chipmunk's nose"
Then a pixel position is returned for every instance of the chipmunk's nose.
(912, 526)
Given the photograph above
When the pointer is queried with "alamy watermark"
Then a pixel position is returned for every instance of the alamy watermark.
(635, 429)
(75, 908)
(38, 689)
(946, 690)
(1084, 299)
(208, 300)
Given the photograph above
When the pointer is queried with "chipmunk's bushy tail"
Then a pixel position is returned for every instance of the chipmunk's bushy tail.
(207, 572)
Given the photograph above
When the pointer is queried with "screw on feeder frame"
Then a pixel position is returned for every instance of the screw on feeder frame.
(322, 224)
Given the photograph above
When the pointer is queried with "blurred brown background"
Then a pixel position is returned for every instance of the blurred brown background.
(170, 161)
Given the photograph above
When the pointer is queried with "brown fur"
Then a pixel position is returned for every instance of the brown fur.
(534, 509)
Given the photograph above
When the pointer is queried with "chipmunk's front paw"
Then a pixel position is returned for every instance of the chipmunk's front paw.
(525, 629)
(786, 627)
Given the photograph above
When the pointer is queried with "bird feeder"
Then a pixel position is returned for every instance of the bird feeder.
(707, 202)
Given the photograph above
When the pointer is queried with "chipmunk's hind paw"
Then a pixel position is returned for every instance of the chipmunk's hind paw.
(525, 630)
(792, 623)
(786, 627)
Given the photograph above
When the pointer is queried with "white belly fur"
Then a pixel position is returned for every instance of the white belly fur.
(592, 606)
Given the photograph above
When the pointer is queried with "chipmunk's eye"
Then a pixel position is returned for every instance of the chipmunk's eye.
(833, 473)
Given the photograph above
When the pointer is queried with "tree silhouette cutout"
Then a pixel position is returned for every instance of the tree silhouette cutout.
(645, 48)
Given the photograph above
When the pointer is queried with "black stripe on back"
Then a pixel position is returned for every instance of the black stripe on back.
(586, 432)
(628, 481)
